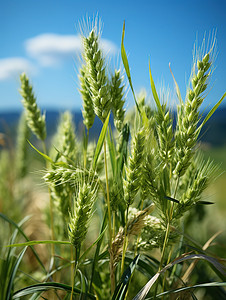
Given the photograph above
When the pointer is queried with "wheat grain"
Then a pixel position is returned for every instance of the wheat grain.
(97, 77)
(35, 120)
(117, 99)
(88, 112)
(81, 214)
(133, 171)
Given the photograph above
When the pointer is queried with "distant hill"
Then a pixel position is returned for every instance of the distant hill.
(9, 122)
(213, 133)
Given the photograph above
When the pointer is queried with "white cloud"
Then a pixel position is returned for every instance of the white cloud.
(50, 49)
(11, 68)
(108, 46)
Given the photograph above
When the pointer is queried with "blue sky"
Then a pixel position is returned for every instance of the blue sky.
(42, 38)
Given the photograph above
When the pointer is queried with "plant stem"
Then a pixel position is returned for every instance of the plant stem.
(72, 266)
(77, 251)
(50, 206)
(139, 235)
(112, 276)
(162, 255)
(113, 225)
(170, 216)
(85, 148)
(124, 243)
(108, 194)
(164, 245)
(168, 225)
(51, 217)
(104, 224)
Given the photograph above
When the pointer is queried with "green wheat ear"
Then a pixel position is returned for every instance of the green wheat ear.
(65, 139)
(81, 214)
(35, 120)
(188, 117)
(134, 169)
(117, 99)
(97, 77)
(165, 134)
(88, 112)
(195, 181)
(61, 179)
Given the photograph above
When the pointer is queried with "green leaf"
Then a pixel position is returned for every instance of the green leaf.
(177, 87)
(122, 287)
(126, 65)
(171, 199)
(144, 291)
(145, 265)
(83, 284)
(155, 95)
(41, 287)
(103, 255)
(8, 263)
(205, 202)
(31, 243)
(101, 141)
(211, 112)
(13, 274)
(50, 274)
(112, 150)
(4, 217)
(202, 285)
(96, 241)
(96, 256)
(42, 154)
(35, 296)
(60, 154)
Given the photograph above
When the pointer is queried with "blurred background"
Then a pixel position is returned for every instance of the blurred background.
(42, 38)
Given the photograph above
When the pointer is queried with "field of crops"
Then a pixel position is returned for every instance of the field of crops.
(137, 213)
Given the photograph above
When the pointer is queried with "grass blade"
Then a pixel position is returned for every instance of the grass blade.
(144, 291)
(31, 243)
(100, 141)
(211, 112)
(202, 202)
(122, 287)
(83, 284)
(177, 87)
(155, 95)
(35, 296)
(4, 217)
(100, 237)
(112, 150)
(42, 287)
(46, 157)
(13, 274)
(202, 285)
(126, 65)
(171, 199)
(96, 256)
(145, 265)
